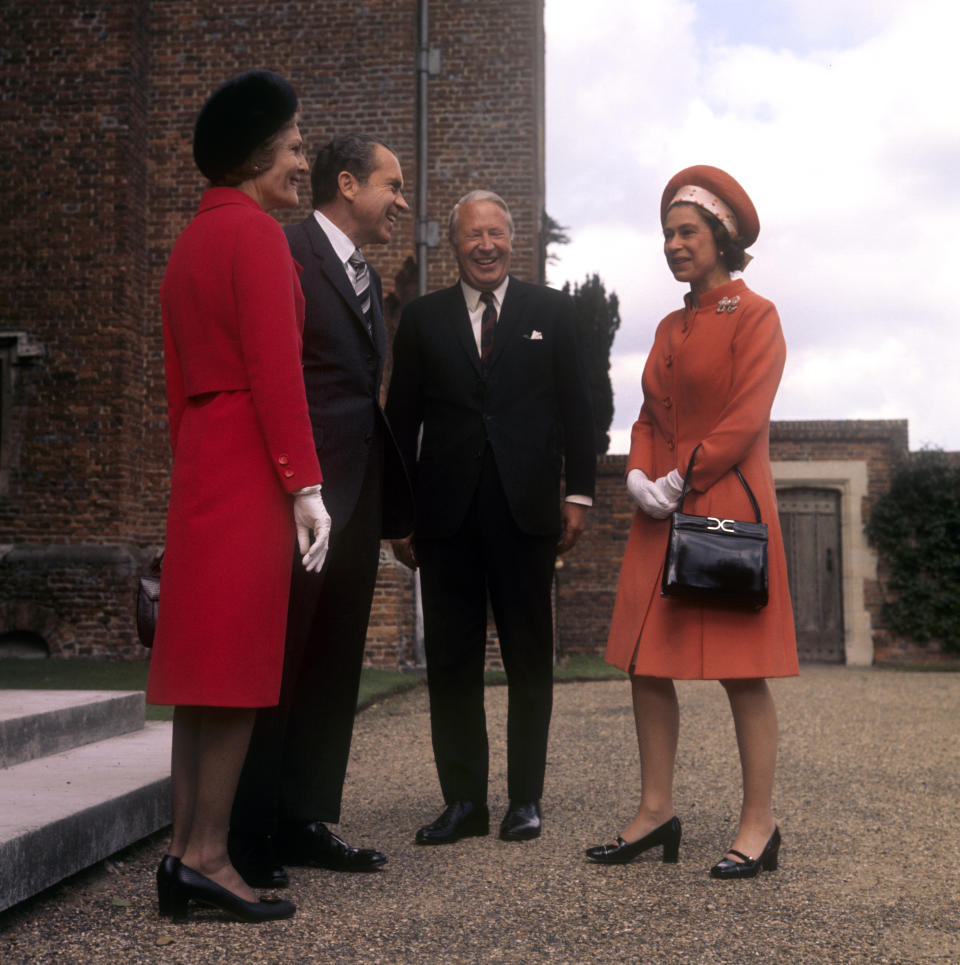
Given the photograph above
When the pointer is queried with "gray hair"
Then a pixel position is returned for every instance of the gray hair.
(478, 195)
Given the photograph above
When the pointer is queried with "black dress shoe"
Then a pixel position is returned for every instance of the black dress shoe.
(189, 885)
(769, 860)
(668, 834)
(522, 822)
(254, 856)
(462, 819)
(316, 846)
(165, 873)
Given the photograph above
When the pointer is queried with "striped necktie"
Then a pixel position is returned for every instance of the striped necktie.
(488, 322)
(361, 284)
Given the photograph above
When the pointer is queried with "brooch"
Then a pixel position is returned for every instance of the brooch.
(728, 305)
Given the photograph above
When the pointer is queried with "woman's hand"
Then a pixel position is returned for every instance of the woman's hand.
(652, 498)
(670, 488)
(312, 520)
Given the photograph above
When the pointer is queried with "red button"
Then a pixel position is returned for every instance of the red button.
(288, 473)
(283, 459)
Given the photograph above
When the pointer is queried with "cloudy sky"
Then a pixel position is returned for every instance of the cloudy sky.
(841, 118)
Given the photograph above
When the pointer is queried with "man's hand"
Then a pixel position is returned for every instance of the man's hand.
(572, 524)
(405, 551)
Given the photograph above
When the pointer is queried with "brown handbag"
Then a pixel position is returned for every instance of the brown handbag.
(148, 602)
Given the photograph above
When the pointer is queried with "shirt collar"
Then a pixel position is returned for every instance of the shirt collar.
(472, 295)
(342, 245)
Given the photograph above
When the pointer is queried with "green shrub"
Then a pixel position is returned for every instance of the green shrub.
(916, 527)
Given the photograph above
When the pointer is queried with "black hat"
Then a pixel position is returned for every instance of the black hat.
(239, 116)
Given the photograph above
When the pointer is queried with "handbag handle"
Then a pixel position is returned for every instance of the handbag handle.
(736, 469)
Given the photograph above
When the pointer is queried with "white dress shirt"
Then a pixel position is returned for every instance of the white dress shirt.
(475, 307)
(342, 245)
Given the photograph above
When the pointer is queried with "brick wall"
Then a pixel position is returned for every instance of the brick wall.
(99, 104)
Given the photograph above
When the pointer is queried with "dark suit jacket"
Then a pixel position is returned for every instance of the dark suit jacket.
(342, 368)
(533, 408)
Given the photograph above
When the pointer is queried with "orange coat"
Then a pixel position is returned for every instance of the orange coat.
(710, 378)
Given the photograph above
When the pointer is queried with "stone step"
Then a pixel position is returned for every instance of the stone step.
(66, 811)
(35, 723)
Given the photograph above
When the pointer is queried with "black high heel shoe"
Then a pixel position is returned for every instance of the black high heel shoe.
(165, 872)
(769, 860)
(189, 885)
(668, 834)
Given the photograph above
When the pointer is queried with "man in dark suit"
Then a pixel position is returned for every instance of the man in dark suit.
(489, 370)
(293, 777)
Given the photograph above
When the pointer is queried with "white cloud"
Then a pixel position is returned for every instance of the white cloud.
(842, 126)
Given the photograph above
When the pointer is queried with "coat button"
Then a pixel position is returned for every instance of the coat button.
(283, 459)
(668, 402)
(668, 360)
(669, 443)
(288, 473)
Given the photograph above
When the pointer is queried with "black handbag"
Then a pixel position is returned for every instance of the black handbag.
(148, 603)
(714, 561)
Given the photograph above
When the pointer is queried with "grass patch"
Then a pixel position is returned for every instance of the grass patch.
(570, 668)
(586, 666)
(378, 684)
(88, 673)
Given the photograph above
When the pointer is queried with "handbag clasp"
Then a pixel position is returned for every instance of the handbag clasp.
(724, 525)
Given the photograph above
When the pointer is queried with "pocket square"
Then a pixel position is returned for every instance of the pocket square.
(535, 336)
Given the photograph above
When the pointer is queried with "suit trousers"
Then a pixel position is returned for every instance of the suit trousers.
(297, 761)
(489, 553)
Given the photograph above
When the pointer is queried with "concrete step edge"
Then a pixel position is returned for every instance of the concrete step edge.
(65, 812)
(37, 723)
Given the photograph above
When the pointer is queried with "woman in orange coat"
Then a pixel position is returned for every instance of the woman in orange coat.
(242, 444)
(709, 381)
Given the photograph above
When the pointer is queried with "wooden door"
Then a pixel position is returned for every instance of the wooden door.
(810, 519)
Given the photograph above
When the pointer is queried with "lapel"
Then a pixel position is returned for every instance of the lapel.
(460, 320)
(332, 267)
(511, 318)
(376, 310)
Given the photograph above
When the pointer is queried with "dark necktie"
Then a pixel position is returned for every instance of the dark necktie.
(488, 322)
(361, 284)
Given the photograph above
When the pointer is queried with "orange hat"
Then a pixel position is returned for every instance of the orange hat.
(714, 191)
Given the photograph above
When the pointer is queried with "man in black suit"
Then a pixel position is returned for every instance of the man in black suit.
(489, 370)
(293, 777)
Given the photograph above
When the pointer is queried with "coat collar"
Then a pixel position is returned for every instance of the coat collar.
(710, 299)
(332, 267)
(508, 321)
(217, 197)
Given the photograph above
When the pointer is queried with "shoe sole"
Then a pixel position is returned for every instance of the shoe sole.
(519, 835)
(454, 837)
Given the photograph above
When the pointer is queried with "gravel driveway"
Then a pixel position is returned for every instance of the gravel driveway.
(867, 798)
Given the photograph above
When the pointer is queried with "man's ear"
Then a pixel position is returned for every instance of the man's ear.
(348, 185)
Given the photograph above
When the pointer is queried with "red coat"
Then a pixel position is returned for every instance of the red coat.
(710, 378)
(242, 442)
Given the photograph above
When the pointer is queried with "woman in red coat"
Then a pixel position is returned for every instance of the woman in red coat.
(242, 444)
(709, 381)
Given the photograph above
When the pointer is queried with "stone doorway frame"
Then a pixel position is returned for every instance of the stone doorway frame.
(858, 559)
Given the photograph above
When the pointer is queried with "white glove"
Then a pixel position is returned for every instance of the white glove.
(312, 519)
(647, 496)
(670, 488)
